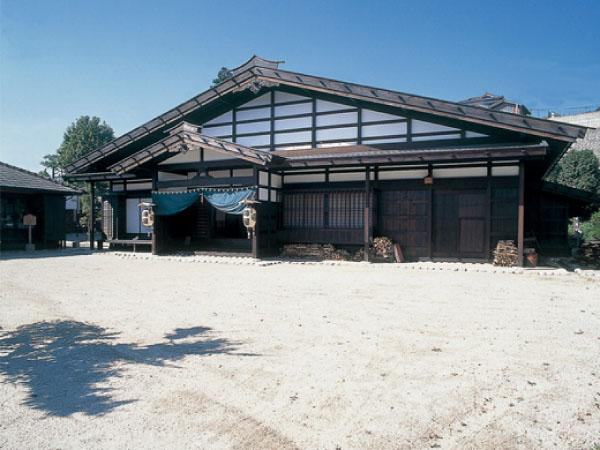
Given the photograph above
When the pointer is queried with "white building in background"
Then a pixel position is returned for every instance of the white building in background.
(591, 141)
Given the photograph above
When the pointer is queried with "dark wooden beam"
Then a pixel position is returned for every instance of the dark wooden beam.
(366, 221)
(156, 225)
(92, 226)
(521, 216)
(200, 166)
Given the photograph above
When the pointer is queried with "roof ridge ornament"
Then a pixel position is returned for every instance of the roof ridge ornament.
(256, 61)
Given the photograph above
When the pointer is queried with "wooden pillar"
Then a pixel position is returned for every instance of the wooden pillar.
(156, 225)
(521, 217)
(92, 226)
(488, 211)
(430, 214)
(255, 241)
(366, 221)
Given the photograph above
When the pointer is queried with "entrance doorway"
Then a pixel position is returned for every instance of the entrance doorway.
(459, 224)
(228, 226)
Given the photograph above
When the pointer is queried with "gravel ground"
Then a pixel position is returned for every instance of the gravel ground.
(100, 351)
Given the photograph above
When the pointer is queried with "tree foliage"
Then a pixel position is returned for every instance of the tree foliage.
(223, 74)
(578, 169)
(591, 228)
(81, 137)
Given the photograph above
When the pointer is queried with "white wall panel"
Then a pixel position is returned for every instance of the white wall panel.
(324, 105)
(348, 176)
(298, 122)
(289, 110)
(306, 178)
(243, 172)
(402, 174)
(384, 141)
(337, 133)
(505, 171)
(369, 115)
(275, 180)
(337, 119)
(464, 172)
(251, 141)
(288, 138)
(251, 114)
(211, 155)
(139, 186)
(263, 194)
(253, 127)
(336, 144)
(264, 99)
(282, 97)
(418, 126)
(226, 117)
(225, 130)
(168, 176)
(219, 173)
(472, 134)
(435, 138)
(263, 178)
(189, 156)
(383, 129)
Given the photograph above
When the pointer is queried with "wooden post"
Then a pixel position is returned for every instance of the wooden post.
(488, 211)
(366, 221)
(155, 225)
(430, 214)
(521, 218)
(92, 227)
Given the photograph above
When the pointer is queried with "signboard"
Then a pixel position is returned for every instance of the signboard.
(29, 220)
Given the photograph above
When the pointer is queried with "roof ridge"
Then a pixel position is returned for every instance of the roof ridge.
(29, 172)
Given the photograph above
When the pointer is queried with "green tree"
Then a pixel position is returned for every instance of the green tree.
(50, 166)
(223, 74)
(578, 169)
(81, 137)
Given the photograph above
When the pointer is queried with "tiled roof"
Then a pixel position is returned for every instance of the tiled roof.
(12, 177)
(257, 70)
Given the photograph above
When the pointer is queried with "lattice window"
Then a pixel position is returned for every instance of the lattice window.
(346, 209)
(303, 210)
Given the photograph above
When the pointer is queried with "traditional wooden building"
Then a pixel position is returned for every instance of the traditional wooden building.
(23, 192)
(330, 162)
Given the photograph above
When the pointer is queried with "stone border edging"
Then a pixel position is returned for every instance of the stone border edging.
(426, 266)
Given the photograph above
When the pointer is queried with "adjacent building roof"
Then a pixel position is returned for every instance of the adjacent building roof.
(497, 103)
(15, 178)
(257, 73)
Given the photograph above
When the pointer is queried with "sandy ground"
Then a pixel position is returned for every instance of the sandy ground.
(98, 351)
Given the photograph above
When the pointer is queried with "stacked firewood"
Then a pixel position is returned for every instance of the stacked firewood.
(383, 248)
(506, 254)
(315, 251)
(590, 253)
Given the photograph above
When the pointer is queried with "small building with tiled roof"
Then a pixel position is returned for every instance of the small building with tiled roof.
(497, 103)
(23, 192)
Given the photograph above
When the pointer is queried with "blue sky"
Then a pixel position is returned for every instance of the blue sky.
(127, 61)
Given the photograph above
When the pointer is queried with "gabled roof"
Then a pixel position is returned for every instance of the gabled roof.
(12, 177)
(257, 73)
(181, 139)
